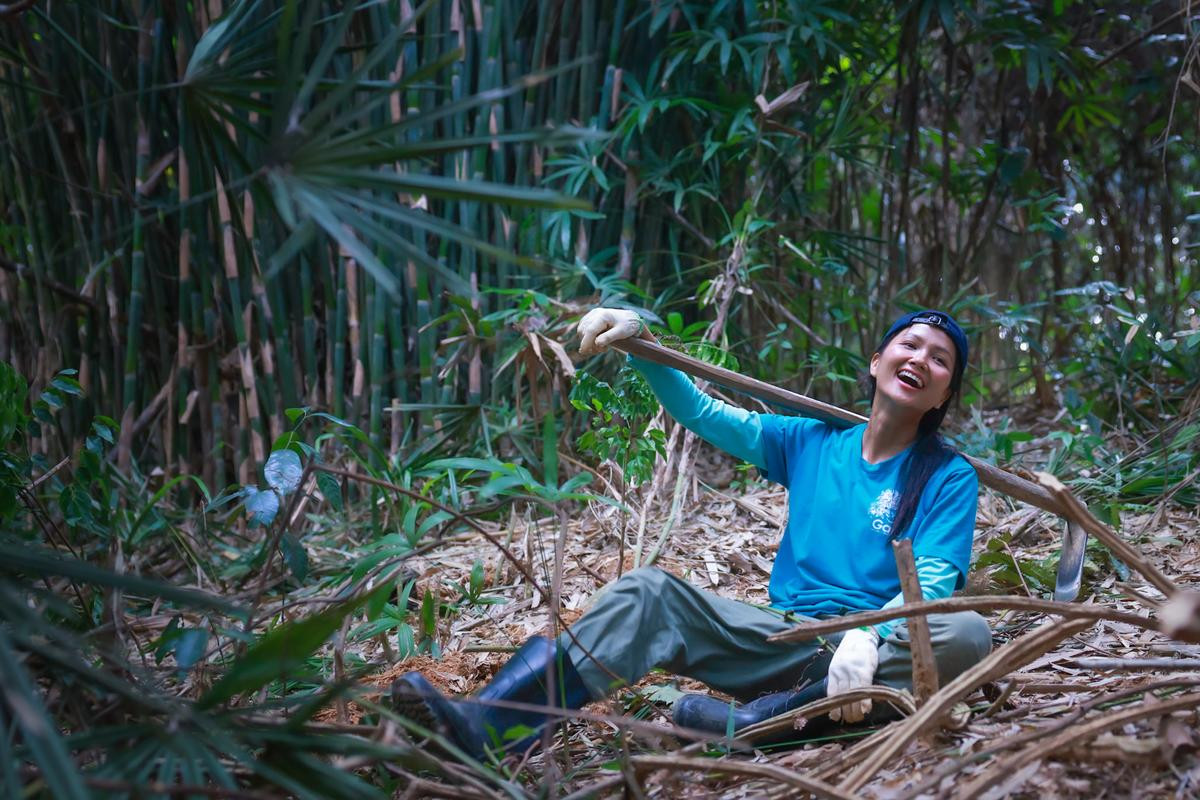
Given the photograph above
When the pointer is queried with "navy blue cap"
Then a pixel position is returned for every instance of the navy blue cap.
(937, 319)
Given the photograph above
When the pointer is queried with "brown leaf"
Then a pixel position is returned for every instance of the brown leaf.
(564, 360)
(1176, 735)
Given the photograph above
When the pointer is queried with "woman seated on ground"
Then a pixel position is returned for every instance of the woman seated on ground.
(851, 492)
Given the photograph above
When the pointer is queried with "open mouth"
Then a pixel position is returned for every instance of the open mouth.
(910, 378)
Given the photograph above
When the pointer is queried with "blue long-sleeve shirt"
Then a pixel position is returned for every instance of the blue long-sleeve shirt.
(835, 555)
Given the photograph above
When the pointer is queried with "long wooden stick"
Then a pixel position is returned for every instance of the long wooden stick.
(920, 643)
(989, 475)
(951, 605)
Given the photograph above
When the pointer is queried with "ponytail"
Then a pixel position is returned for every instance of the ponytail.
(928, 454)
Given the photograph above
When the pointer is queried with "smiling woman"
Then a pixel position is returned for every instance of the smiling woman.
(851, 492)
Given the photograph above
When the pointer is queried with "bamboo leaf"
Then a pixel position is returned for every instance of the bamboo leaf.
(37, 729)
(26, 558)
(282, 652)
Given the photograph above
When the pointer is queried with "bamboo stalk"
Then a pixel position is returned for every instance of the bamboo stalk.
(378, 346)
(137, 277)
(256, 454)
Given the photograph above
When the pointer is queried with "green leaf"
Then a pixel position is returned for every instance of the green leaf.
(261, 506)
(331, 488)
(283, 471)
(295, 555)
(280, 653)
(32, 560)
(190, 647)
(38, 731)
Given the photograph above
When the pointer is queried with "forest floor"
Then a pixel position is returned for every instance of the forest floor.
(1014, 739)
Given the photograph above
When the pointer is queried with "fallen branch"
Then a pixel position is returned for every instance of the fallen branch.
(893, 740)
(1136, 664)
(902, 701)
(1181, 617)
(811, 630)
(763, 771)
(1073, 735)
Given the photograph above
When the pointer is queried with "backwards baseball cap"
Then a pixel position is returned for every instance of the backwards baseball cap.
(936, 319)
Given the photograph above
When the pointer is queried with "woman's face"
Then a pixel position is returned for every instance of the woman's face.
(915, 368)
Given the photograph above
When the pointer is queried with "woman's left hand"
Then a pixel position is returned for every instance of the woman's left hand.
(853, 667)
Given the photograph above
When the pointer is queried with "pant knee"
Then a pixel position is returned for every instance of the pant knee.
(962, 640)
(643, 581)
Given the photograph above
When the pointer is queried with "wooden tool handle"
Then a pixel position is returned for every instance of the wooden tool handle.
(990, 475)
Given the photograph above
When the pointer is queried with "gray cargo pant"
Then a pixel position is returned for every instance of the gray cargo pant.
(650, 618)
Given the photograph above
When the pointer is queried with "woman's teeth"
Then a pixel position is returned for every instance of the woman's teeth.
(910, 377)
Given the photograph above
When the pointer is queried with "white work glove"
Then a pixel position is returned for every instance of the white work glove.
(600, 327)
(853, 667)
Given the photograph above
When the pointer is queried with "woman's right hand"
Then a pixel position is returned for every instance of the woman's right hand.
(600, 327)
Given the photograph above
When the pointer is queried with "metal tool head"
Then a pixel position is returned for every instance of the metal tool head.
(1070, 563)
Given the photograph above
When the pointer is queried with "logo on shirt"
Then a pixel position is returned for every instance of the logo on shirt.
(883, 510)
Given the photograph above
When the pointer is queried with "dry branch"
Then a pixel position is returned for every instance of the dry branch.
(924, 668)
(491, 539)
(1181, 617)
(811, 630)
(1136, 664)
(764, 771)
(895, 738)
(1028, 737)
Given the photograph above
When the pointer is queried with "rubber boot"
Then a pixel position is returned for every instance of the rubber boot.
(703, 712)
(476, 723)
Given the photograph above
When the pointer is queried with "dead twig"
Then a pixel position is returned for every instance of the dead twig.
(1136, 664)
(811, 630)
(1181, 617)
(763, 771)
(491, 539)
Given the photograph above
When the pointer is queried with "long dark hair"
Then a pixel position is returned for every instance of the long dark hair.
(928, 452)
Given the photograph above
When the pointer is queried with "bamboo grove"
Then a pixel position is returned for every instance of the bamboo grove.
(223, 219)
(392, 211)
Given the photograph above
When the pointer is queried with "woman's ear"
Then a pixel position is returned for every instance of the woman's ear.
(874, 364)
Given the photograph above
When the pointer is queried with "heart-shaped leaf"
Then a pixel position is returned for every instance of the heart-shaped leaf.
(262, 506)
(283, 471)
